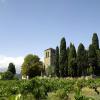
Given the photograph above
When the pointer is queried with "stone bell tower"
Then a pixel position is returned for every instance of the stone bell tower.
(49, 57)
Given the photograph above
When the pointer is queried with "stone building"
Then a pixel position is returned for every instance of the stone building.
(49, 57)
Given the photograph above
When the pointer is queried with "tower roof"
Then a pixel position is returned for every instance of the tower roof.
(50, 49)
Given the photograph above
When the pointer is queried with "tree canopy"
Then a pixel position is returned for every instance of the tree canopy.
(92, 58)
(84, 62)
(81, 60)
(95, 41)
(32, 66)
(72, 65)
(68, 61)
(12, 68)
(63, 58)
(57, 62)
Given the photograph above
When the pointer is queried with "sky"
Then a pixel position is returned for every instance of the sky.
(31, 26)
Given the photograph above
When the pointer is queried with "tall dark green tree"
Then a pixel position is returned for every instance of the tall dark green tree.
(95, 41)
(92, 58)
(12, 68)
(63, 58)
(57, 62)
(81, 60)
(72, 65)
(67, 51)
(98, 62)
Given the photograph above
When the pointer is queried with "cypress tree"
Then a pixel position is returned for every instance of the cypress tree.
(67, 51)
(12, 68)
(81, 60)
(63, 58)
(98, 62)
(72, 66)
(67, 60)
(57, 62)
(95, 41)
(92, 58)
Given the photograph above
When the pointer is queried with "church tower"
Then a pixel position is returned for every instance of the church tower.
(49, 57)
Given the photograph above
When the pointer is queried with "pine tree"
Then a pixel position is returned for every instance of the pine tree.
(92, 58)
(63, 58)
(81, 60)
(95, 41)
(57, 62)
(72, 66)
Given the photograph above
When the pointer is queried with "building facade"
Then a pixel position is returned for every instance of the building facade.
(49, 57)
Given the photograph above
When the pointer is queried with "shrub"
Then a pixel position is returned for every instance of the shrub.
(7, 75)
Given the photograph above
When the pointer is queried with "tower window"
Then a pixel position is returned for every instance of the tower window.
(48, 54)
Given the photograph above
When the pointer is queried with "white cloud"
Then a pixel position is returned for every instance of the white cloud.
(4, 62)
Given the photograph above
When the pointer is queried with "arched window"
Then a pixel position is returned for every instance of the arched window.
(48, 54)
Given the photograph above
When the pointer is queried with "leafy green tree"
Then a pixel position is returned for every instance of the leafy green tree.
(72, 65)
(63, 58)
(32, 66)
(12, 68)
(95, 41)
(81, 60)
(92, 58)
(57, 62)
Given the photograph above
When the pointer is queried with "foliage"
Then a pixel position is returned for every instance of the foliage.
(32, 66)
(90, 70)
(79, 65)
(11, 68)
(40, 88)
(50, 71)
(60, 94)
(63, 58)
(81, 60)
(92, 58)
(72, 65)
(57, 62)
(67, 51)
(96, 57)
(7, 75)
(95, 41)
(98, 62)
